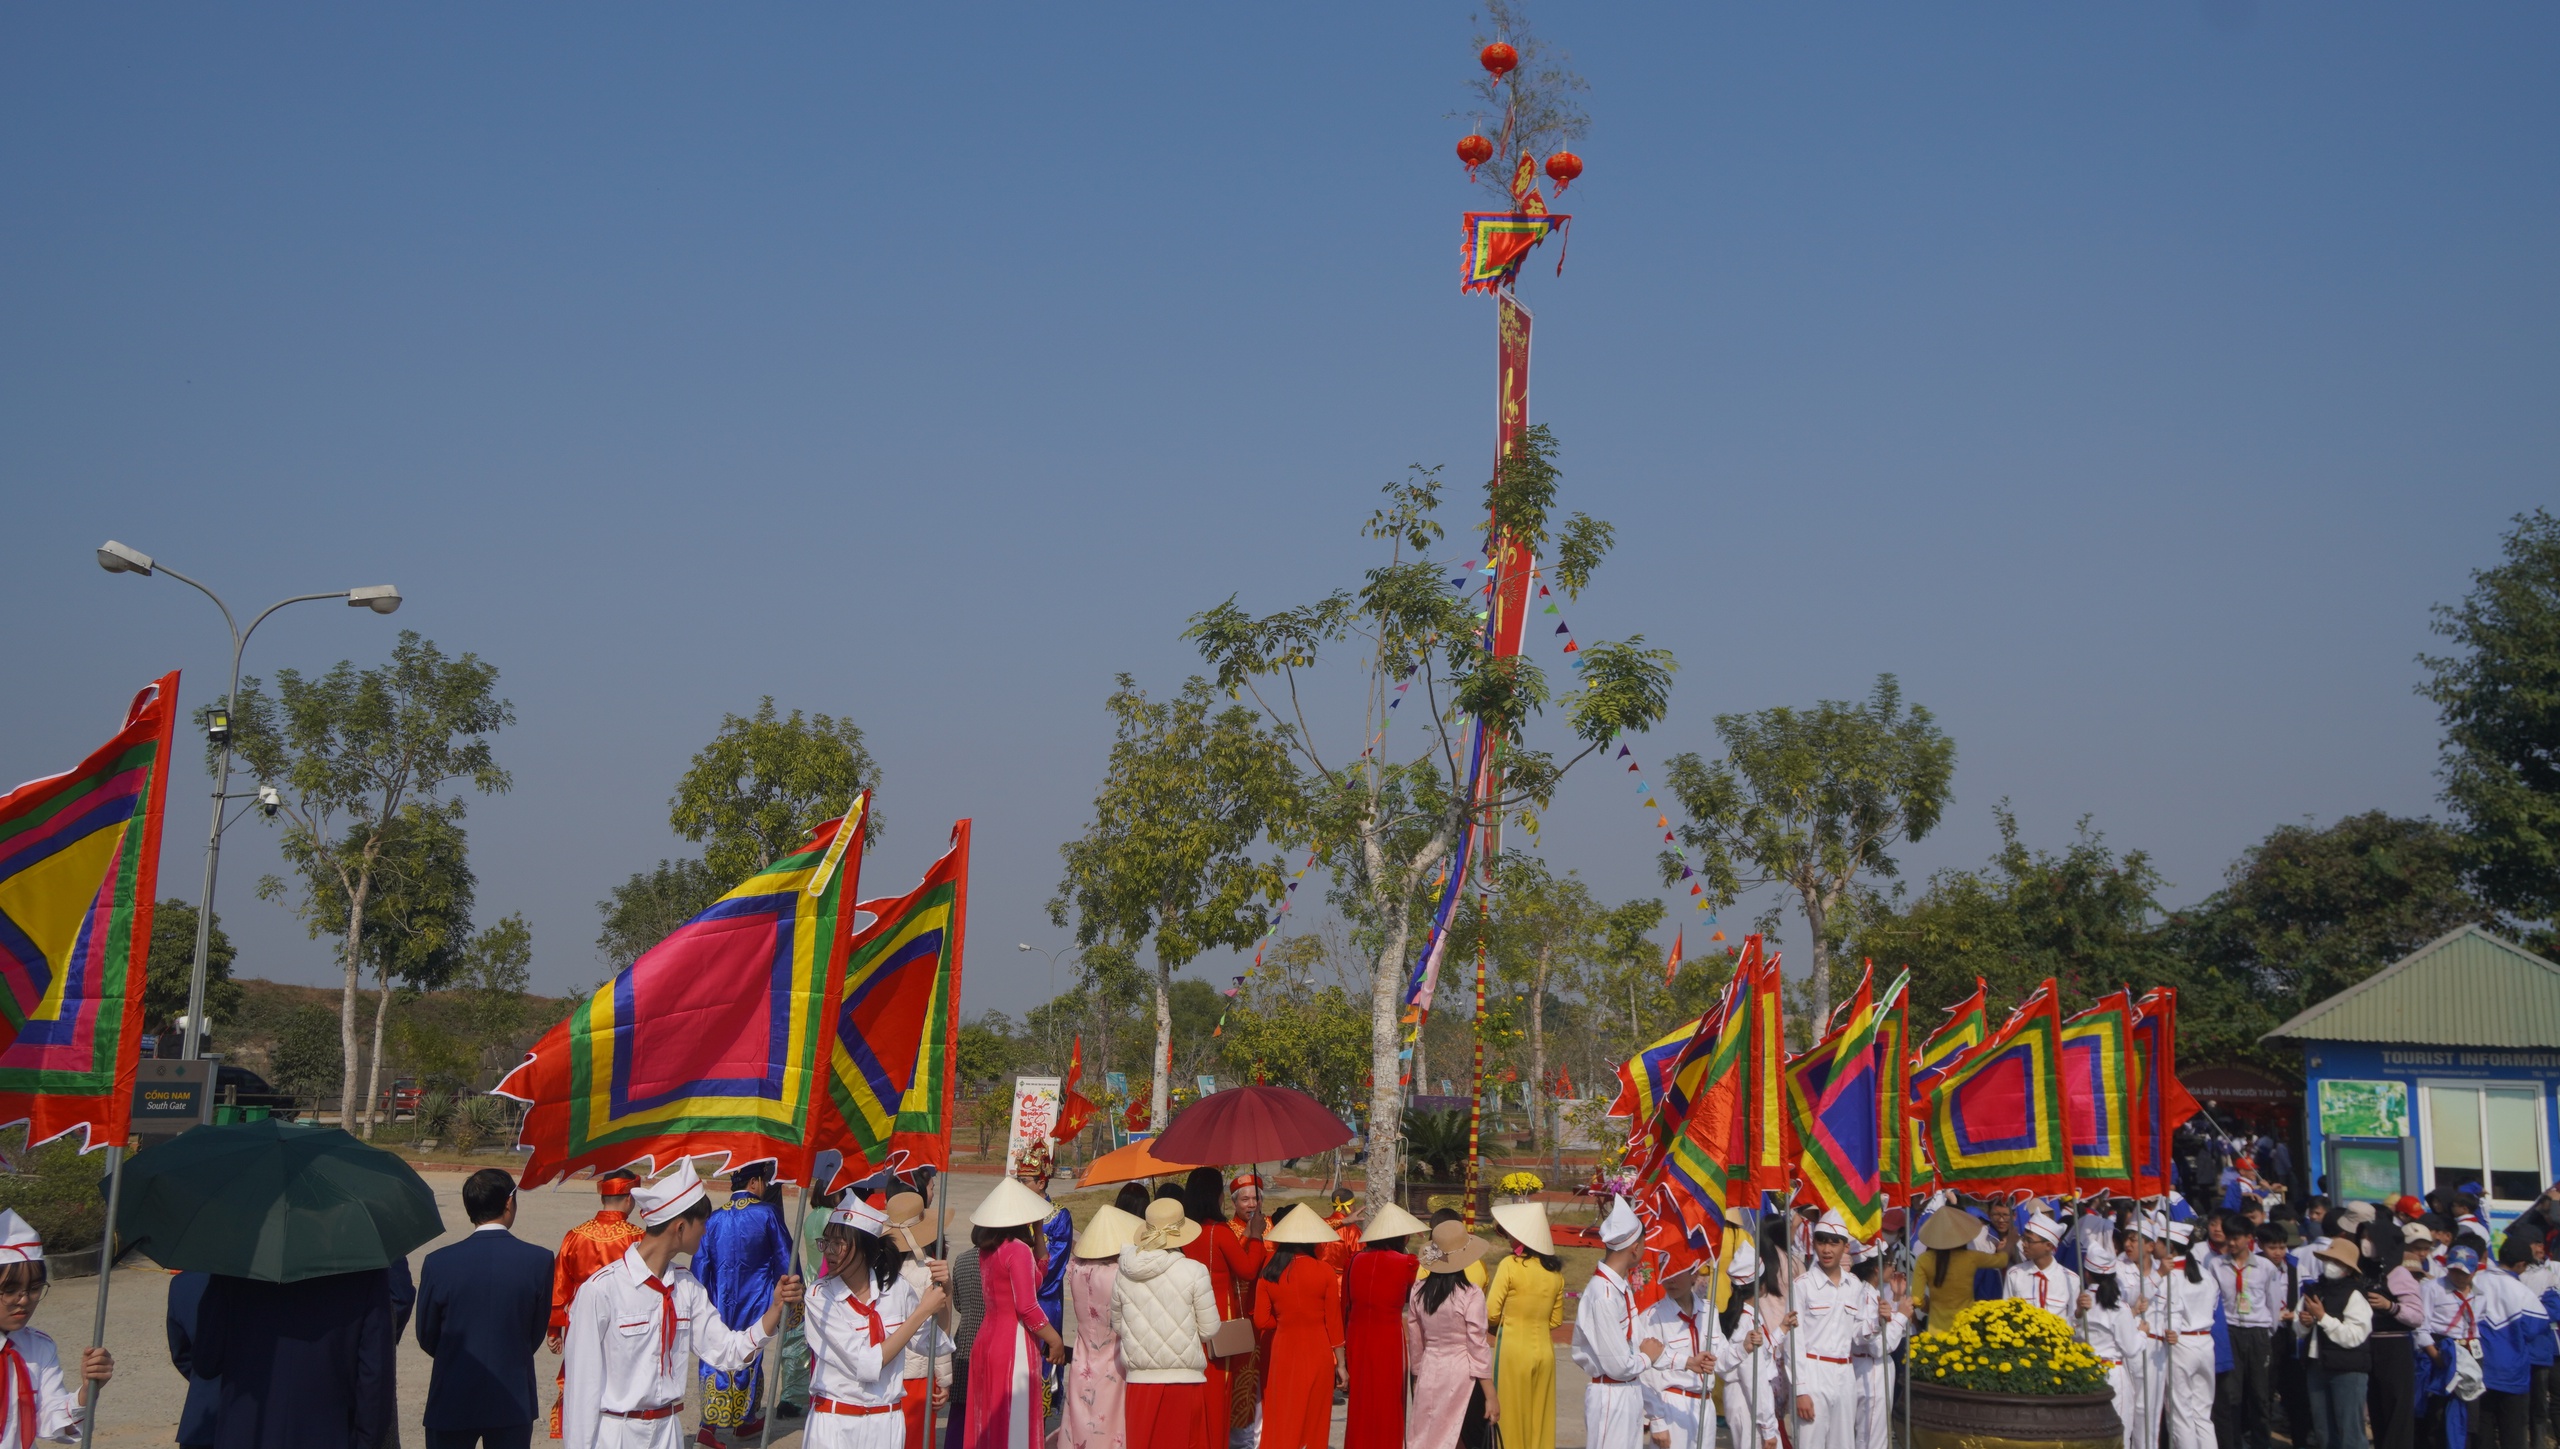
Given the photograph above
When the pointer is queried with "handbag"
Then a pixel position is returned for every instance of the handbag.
(1233, 1337)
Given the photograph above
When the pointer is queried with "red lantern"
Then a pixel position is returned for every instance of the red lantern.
(1562, 169)
(1474, 151)
(1499, 59)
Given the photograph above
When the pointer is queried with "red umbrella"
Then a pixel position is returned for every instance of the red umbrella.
(1251, 1124)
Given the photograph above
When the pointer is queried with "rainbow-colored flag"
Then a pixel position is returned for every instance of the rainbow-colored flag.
(896, 1040)
(2159, 1102)
(1968, 1022)
(1700, 1166)
(1770, 1165)
(710, 1043)
(1497, 242)
(1644, 1079)
(1831, 1100)
(1897, 1126)
(79, 865)
(2096, 1050)
(1995, 1117)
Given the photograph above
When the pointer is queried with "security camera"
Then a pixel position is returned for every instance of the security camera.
(269, 801)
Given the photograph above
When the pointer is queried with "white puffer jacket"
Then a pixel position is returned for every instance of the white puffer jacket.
(1162, 1309)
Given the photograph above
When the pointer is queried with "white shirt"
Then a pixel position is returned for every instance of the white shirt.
(2114, 1333)
(2251, 1289)
(1604, 1336)
(849, 1367)
(1682, 1340)
(2053, 1288)
(615, 1363)
(58, 1411)
(1830, 1319)
(2191, 1304)
(919, 1361)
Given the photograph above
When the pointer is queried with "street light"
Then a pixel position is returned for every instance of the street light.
(1053, 992)
(117, 558)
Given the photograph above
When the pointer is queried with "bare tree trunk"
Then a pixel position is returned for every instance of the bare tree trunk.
(1160, 1108)
(1386, 1092)
(373, 1080)
(1816, 918)
(1538, 1037)
(347, 1004)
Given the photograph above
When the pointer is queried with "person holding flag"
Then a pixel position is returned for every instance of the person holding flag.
(1751, 1388)
(2040, 1280)
(584, 1251)
(862, 1322)
(1678, 1414)
(2194, 1298)
(634, 1326)
(1605, 1341)
(1833, 1312)
(44, 1405)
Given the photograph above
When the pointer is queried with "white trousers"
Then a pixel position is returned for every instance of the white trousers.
(2148, 1371)
(855, 1431)
(2128, 1397)
(1682, 1414)
(2191, 1392)
(1613, 1416)
(1875, 1401)
(1834, 1391)
(1738, 1409)
(666, 1433)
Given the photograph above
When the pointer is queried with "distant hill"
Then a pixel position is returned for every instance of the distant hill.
(448, 1032)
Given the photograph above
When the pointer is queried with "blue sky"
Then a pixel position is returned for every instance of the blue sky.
(2129, 380)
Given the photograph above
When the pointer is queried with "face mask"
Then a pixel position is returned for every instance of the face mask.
(2333, 1271)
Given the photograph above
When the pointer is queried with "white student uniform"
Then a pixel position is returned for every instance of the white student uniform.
(1831, 1318)
(1751, 1385)
(2190, 1340)
(1675, 1399)
(2117, 1337)
(1604, 1344)
(2148, 1367)
(28, 1357)
(857, 1394)
(1871, 1359)
(2053, 1287)
(626, 1368)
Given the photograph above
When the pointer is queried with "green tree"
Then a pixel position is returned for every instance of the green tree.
(1286, 1027)
(417, 924)
(2085, 916)
(987, 1048)
(172, 963)
(495, 971)
(1386, 822)
(2499, 698)
(2308, 912)
(309, 1056)
(1814, 800)
(763, 783)
(646, 909)
(1167, 860)
(346, 753)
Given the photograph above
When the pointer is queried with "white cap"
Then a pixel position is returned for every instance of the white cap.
(858, 1215)
(1829, 1225)
(2044, 1226)
(2180, 1233)
(1620, 1228)
(1868, 1252)
(2097, 1234)
(18, 1242)
(1746, 1263)
(667, 1198)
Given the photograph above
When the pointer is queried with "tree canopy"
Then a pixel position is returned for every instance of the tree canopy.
(764, 782)
(2499, 697)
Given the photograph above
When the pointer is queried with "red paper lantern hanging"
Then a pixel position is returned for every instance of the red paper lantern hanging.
(1562, 169)
(1474, 151)
(1499, 59)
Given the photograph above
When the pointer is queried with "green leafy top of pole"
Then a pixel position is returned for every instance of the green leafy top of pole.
(1526, 97)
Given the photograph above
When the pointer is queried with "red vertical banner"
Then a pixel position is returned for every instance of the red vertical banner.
(1511, 564)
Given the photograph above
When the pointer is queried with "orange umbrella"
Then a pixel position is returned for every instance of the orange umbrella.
(1128, 1164)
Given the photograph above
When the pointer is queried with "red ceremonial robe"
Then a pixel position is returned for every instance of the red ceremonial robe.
(1303, 1314)
(1373, 1299)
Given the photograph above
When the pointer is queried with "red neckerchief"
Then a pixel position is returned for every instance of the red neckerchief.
(22, 1393)
(666, 1324)
(870, 1319)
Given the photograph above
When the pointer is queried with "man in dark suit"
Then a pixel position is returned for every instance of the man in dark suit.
(303, 1365)
(484, 1307)
(195, 1421)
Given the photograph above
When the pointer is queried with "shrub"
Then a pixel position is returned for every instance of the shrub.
(56, 1190)
(1438, 1143)
(2007, 1347)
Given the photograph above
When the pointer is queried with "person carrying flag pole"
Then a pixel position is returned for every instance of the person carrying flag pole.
(1605, 1346)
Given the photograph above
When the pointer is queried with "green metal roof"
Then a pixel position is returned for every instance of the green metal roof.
(2464, 988)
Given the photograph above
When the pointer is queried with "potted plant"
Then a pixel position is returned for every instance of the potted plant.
(1520, 1187)
(2009, 1372)
(1435, 1143)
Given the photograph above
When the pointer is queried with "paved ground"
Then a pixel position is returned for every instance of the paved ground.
(141, 1405)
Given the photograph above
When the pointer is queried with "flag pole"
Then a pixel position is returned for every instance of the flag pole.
(106, 1276)
(773, 1375)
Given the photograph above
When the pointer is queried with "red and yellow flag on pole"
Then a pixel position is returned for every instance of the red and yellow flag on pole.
(894, 1043)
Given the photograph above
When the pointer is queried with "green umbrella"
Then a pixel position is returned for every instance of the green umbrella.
(273, 1201)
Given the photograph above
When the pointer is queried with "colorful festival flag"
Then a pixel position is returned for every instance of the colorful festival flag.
(711, 1042)
(1075, 1109)
(2159, 1101)
(1831, 1099)
(2096, 1046)
(1702, 1169)
(896, 1045)
(1968, 1022)
(1771, 1164)
(1497, 242)
(1897, 1126)
(1995, 1117)
(1646, 1076)
(1671, 968)
(79, 866)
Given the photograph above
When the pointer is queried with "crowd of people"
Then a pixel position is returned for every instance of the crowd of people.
(1183, 1317)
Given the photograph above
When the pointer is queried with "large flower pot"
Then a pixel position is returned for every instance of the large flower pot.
(1943, 1418)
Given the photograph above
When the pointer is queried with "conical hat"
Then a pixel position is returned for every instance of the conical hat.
(1301, 1225)
(1526, 1222)
(1950, 1227)
(1011, 1205)
(1392, 1221)
(1107, 1232)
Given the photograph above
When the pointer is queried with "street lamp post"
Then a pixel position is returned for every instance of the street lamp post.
(116, 558)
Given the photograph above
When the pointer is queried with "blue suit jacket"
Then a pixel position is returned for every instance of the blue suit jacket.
(195, 1421)
(484, 1307)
